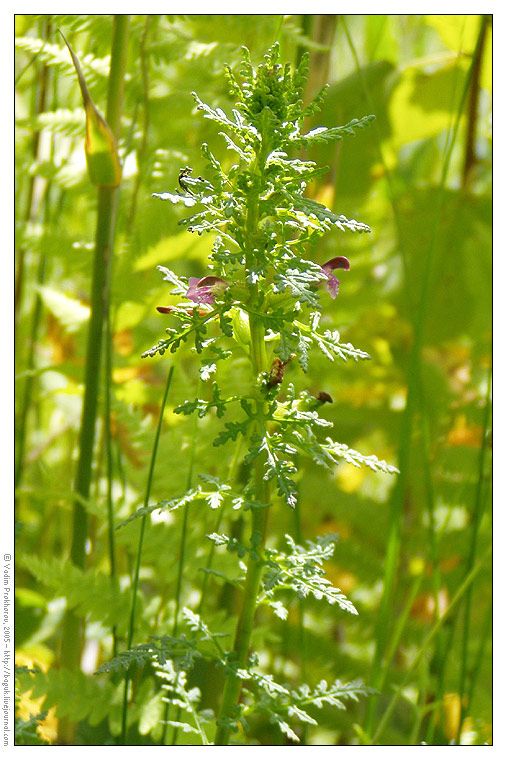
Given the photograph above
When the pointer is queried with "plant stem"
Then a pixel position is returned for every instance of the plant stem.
(135, 582)
(298, 534)
(183, 538)
(470, 158)
(104, 236)
(21, 423)
(434, 630)
(386, 613)
(38, 106)
(141, 153)
(477, 514)
(233, 684)
(181, 563)
(216, 528)
(109, 452)
(244, 629)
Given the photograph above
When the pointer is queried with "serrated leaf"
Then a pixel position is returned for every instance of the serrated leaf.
(329, 134)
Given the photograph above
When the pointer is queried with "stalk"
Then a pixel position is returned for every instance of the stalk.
(386, 612)
(109, 455)
(141, 153)
(233, 684)
(478, 512)
(432, 633)
(135, 582)
(181, 565)
(216, 528)
(104, 235)
(183, 539)
(443, 655)
(470, 158)
(301, 622)
(38, 107)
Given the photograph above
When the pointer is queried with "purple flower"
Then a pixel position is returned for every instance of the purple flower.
(203, 290)
(332, 284)
(206, 289)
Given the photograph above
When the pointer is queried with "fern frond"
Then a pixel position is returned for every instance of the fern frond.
(53, 55)
(64, 121)
(75, 695)
(88, 592)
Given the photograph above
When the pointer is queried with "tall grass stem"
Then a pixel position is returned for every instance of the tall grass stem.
(135, 581)
(386, 613)
(104, 238)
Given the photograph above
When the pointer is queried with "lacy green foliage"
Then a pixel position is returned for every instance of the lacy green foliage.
(88, 592)
(62, 121)
(162, 648)
(212, 496)
(185, 648)
(76, 695)
(299, 570)
(25, 731)
(284, 705)
(262, 224)
(184, 53)
(54, 55)
(191, 719)
(173, 658)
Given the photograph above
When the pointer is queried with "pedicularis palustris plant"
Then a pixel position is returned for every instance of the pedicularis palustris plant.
(262, 292)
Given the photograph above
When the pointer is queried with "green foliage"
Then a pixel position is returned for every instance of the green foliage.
(283, 705)
(76, 695)
(410, 72)
(88, 593)
(258, 210)
(25, 731)
(177, 694)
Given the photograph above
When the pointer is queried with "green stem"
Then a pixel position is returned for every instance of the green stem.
(434, 630)
(21, 422)
(440, 662)
(38, 106)
(233, 684)
(181, 563)
(303, 648)
(395, 521)
(141, 153)
(183, 538)
(482, 648)
(211, 554)
(71, 641)
(109, 454)
(470, 158)
(104, 236)
(477, 515)
(135, 581)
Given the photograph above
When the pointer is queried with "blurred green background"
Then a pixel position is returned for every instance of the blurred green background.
(418, 299)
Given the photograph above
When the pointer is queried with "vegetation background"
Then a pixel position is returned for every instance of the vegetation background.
(417, 299)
